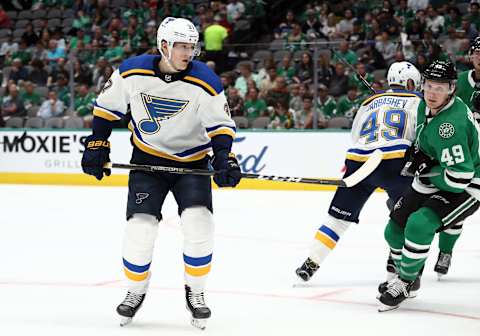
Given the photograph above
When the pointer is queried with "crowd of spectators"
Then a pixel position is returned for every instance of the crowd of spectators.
(56, 55)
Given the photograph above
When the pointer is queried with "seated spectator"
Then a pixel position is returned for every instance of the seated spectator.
(12, 105)
(7, 49)
(403, 14)
(28, 96)
(474, 16)
(453, 19)
(38, 75)
(461, 57)
(281, 117)
(185, 9)
(30, 37)
(52, 107)
(267, 83)
(81, 21)
(23, 53)
(296, 39)
(227, 79)
(348, 105)
(305, 119)
(435, 22)
(452, 43)
(245, 74)
(346, 53)
(279, 92)
(355, 80)
(235, 10)
(324, 69)
(357, 36)
(304, 70)
(286, 69)
(330, 28)
(107, 72)
(80, 36)
(54, 53)
(81, 73)
(326, 104)
(114, 53)
(286, 26)
(62, 90)
(253, 106)
(372, 58)
(386, 47)
(84, 104)
(235, 102)
(39, 52)
(468, 29)
(312, 26)
(5, 21)
(345, 26)
(18, 71)
(295, 103)
(338, 85)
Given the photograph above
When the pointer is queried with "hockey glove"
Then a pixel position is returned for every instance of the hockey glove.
(228, 171)
(418, 162)
(95, 156)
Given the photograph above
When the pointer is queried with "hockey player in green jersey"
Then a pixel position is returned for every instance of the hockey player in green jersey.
(468, 80)
(447, 147)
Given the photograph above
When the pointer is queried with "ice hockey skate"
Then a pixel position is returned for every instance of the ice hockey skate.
(443, 264)
(129, 307)
(391, 268)
(197, 307)
(397, 291)
(307, 270)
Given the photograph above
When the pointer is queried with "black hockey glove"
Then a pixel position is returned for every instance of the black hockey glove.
(418, 162)
(229, 173)
(95, 156)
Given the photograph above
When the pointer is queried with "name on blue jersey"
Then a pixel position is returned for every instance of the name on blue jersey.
(391, 101)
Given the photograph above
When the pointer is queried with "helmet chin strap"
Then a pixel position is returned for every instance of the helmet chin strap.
(168, 61)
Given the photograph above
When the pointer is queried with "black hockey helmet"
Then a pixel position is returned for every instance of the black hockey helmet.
(441, 71)
(475, 46)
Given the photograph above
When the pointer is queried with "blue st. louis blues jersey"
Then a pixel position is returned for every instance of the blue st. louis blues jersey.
(385, 121)
(173, 116)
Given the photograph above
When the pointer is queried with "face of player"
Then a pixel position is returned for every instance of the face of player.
(436, 95)
(475, 57)
(182, 54)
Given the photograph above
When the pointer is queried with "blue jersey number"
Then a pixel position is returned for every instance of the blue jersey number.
(394, 120)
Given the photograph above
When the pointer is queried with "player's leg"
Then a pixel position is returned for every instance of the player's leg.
(344, 209)
(146, 193)
(194, 197)
(446, 242)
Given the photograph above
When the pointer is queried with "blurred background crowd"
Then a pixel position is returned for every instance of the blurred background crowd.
(282, 63)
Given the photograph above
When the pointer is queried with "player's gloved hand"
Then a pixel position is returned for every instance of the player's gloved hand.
(229, 173)
(95, 156)
(418, 162)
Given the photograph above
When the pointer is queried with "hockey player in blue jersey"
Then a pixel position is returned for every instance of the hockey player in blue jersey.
(385, 121)
(178, 114)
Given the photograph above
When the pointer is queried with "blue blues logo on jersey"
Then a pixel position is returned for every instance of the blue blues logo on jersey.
(158, 110)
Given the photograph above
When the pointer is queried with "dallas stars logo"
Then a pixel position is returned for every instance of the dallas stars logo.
(446, 130)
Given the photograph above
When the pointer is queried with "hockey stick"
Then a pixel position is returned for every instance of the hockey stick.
(366, 169)
(344, 61)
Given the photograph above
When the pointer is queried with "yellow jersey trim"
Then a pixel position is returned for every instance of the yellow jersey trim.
(137, 71)
(202, 83)
(225, 131)
(104, 114)
(397, 94)
(385, 156)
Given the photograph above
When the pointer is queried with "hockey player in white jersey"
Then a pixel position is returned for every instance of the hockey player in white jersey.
(385, 121)
(178, 115)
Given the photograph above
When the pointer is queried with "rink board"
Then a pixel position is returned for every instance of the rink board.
(53, 157)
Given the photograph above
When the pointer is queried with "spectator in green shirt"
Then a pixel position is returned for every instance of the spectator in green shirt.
(253, 106)
(474, 15)
(28, 96)
(114, 53)
(82, 21)
(286, 69)
(354, 79)
(84, 104)
(80, 36)
(183, 9)
(326, 104)
(348, 105)
(347, 54)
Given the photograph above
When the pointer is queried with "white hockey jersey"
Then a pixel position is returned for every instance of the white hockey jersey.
(173, 116)
(385, 121)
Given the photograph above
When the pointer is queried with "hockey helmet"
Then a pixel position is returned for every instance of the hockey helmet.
(475, 46)
(400, 72)
(173, 30)
(442, 72)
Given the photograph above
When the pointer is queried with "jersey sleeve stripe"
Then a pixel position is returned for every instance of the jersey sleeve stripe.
(204, 85)
(127, 73)
(460, 175)
(105, 114)
(458, 183)
(194, 150)
(383, 149)
(385, 156)
(223, 130)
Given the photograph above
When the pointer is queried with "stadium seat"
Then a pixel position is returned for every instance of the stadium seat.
(18, 32)
(278, 44)
(35, 122)
(14, 122)
(12, 15)
(5, 32)
(68, 13)
(53, 23)
(39, 14)
(339, 122)
(73, 122)
(32, 111)
(241, 122)
(54, 122)
(25, 14)
(37, 23)
(261, 55)
(67, 22)
(297, 55)
(261, 122)
(379, 74)
(239, 64)
(21, 23)
(118, 3)
(54, 13)
(41, 90)
(279, 55)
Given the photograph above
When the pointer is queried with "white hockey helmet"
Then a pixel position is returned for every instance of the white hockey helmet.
(173, 30)
(400, 72)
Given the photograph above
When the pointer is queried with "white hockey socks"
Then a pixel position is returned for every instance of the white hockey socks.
(198, 227)
(326, 238)
(140, 234)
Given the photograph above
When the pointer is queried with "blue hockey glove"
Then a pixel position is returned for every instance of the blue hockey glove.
(229, 173)
(95, 156)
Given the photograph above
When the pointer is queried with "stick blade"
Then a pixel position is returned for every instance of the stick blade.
(366, 169)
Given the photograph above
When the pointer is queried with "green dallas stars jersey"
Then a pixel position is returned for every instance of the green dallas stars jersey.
(466, 87)
(452, 138)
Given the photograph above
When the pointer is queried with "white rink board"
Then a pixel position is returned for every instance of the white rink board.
(309, 154)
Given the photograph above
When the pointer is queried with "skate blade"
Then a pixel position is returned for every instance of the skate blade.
(199, 323)
(124, 321)
(440, 276)
(384, 308)
(412, 294)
